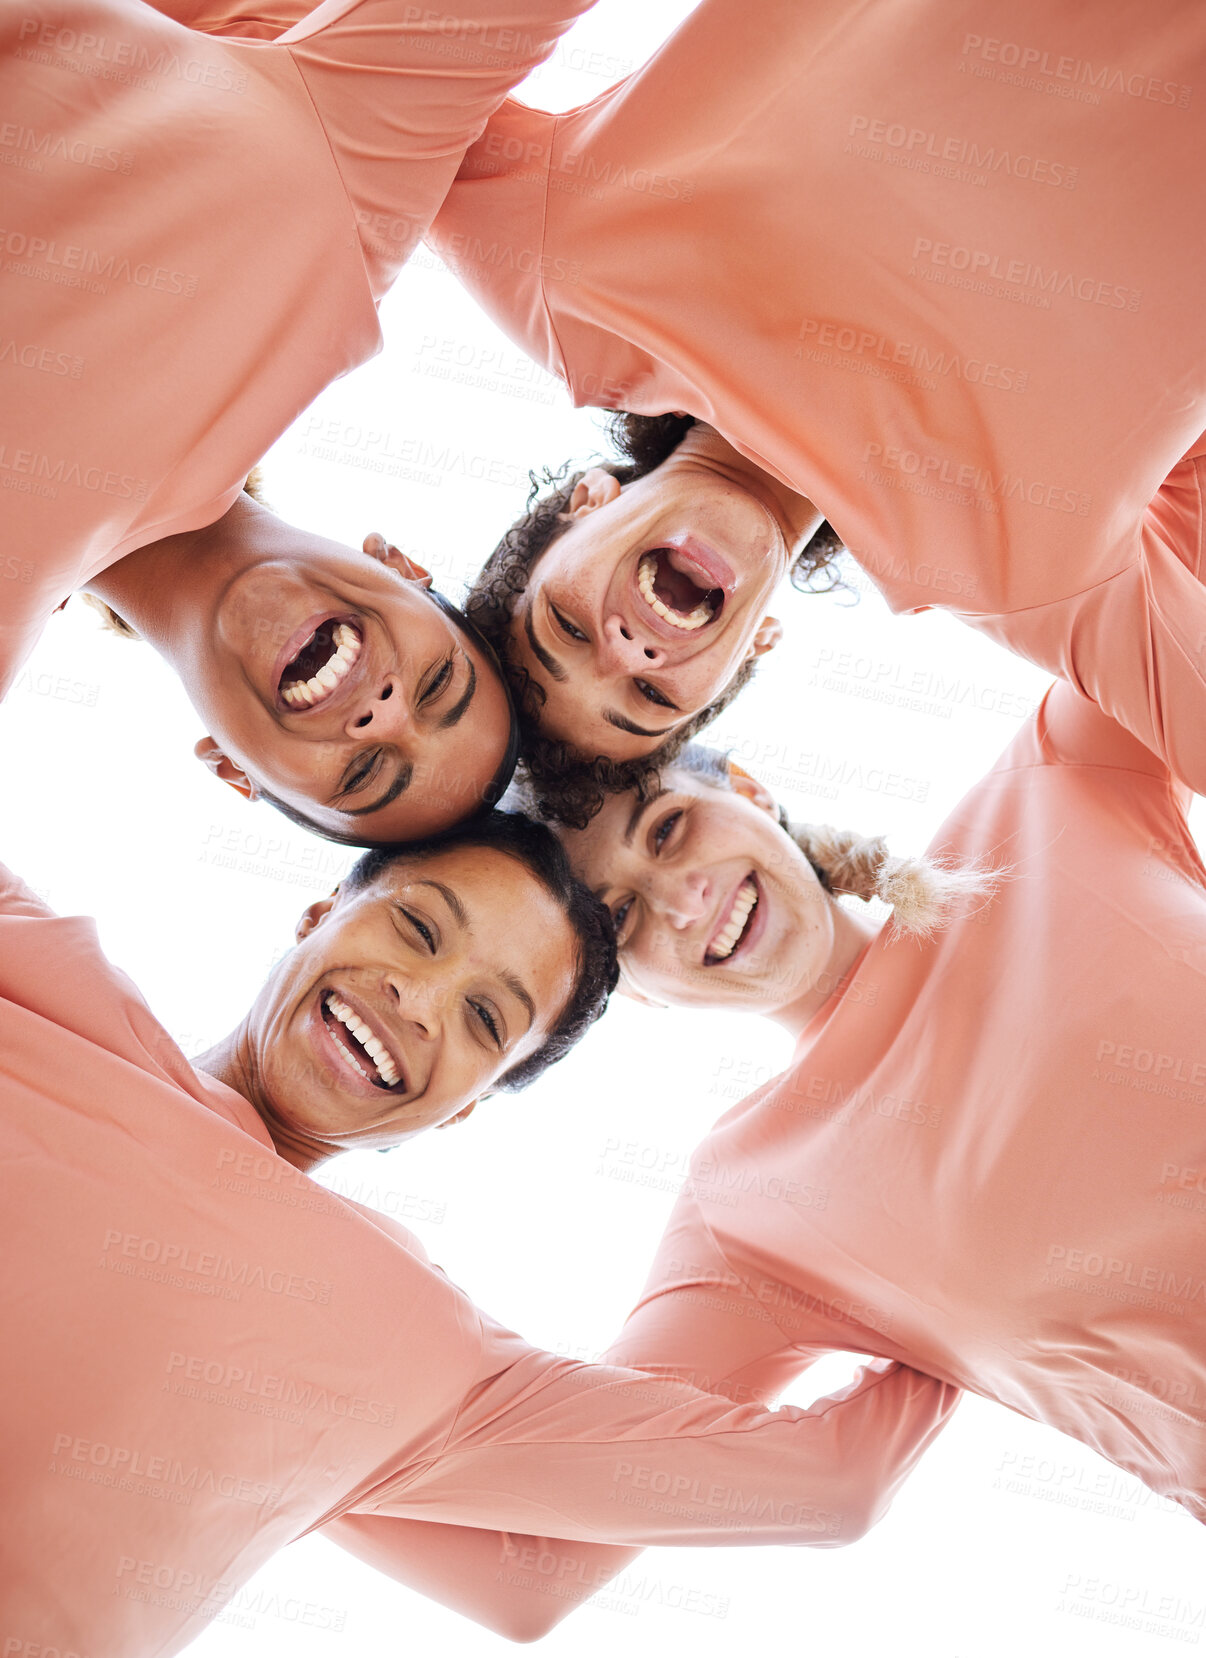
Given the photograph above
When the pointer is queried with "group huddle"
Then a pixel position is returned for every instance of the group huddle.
(910, 285)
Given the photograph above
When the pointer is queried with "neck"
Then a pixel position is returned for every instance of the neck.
(233, 1061)
(851, 935)
(167, 589)
(795, 514)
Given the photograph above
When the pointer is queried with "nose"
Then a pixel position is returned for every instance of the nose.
(623, 653)
(419, 999)
(682, 898)
(379, 713)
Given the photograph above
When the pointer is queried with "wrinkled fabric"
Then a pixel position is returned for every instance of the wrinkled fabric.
(193, 238)
(936, 266)
(206, 1355)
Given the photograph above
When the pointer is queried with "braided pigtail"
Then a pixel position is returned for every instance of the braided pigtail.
(921, 894)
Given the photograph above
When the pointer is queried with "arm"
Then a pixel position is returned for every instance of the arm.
(1136, 643)
(580, 1455)
(395, 82)
(263, 21)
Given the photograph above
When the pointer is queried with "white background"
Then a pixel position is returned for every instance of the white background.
(547, 1206)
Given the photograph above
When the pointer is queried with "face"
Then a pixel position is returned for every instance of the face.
(714, 905)
(333, 680)
(402, 1003)
(641, 612)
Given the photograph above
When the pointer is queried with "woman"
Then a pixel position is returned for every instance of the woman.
(973, 1162)
(931, 268)
(207, 1355)
(197, 234)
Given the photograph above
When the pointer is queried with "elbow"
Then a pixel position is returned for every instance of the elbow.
(525, 1624)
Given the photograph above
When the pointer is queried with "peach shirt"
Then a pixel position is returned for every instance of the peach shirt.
(194, 234)
(936, 265)
(207, 1355)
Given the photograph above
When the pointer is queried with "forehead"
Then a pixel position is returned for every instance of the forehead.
(593, 851)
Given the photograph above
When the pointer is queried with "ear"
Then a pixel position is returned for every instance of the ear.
(314, 916)
(209, 754)
(594, 489)
(376, 546)
(770, 631)
(750, 789)
(465, 1111)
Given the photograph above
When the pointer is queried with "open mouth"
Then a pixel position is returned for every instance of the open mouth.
(321, 665)
(364, 1050)
(735, 929)
(668, 581)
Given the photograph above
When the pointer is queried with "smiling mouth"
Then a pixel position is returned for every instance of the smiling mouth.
(732, 935)
(667, 585)
(321, 665)
(366, 1052)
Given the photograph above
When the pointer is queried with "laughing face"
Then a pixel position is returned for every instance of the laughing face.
(334, 681)
(644, 608)
(714, 906)
(403, 1002)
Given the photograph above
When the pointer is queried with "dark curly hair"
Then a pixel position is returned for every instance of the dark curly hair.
(538, 850)
(568, 786)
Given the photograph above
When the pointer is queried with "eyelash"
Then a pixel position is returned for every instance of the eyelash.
(650, 694)
(662, 833)
(439, 682)
(567, 627)
(487, 1019)
(359, 778)
(424, 931)
(660, 836)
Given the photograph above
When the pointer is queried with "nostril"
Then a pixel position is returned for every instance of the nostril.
(364, 720)
(387, 693)
(650, 654)
(624, 634)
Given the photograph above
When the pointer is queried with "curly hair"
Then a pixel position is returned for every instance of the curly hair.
(535, 847)
(568, 786)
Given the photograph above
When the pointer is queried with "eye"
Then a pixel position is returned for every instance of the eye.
(438, 683)
(487, 1019)
(420, 927)
(665, 829)
(359, 773)
(652, 694)
(619, 916)
(566, 626)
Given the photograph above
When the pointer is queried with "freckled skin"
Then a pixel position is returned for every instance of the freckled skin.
(369, 947)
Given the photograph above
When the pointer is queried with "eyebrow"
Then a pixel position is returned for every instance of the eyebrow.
(621, 724)
(549, 663)
(513, 983)
(458, 909)
(399, 786)
(637, 812)
(457, 711)
(516, 987)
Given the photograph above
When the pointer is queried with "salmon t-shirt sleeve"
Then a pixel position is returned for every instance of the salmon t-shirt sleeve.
(450, 74)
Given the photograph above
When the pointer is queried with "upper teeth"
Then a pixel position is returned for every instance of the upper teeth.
(303, 693)
(697, 618)
(376, 1050)
(722, 944)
